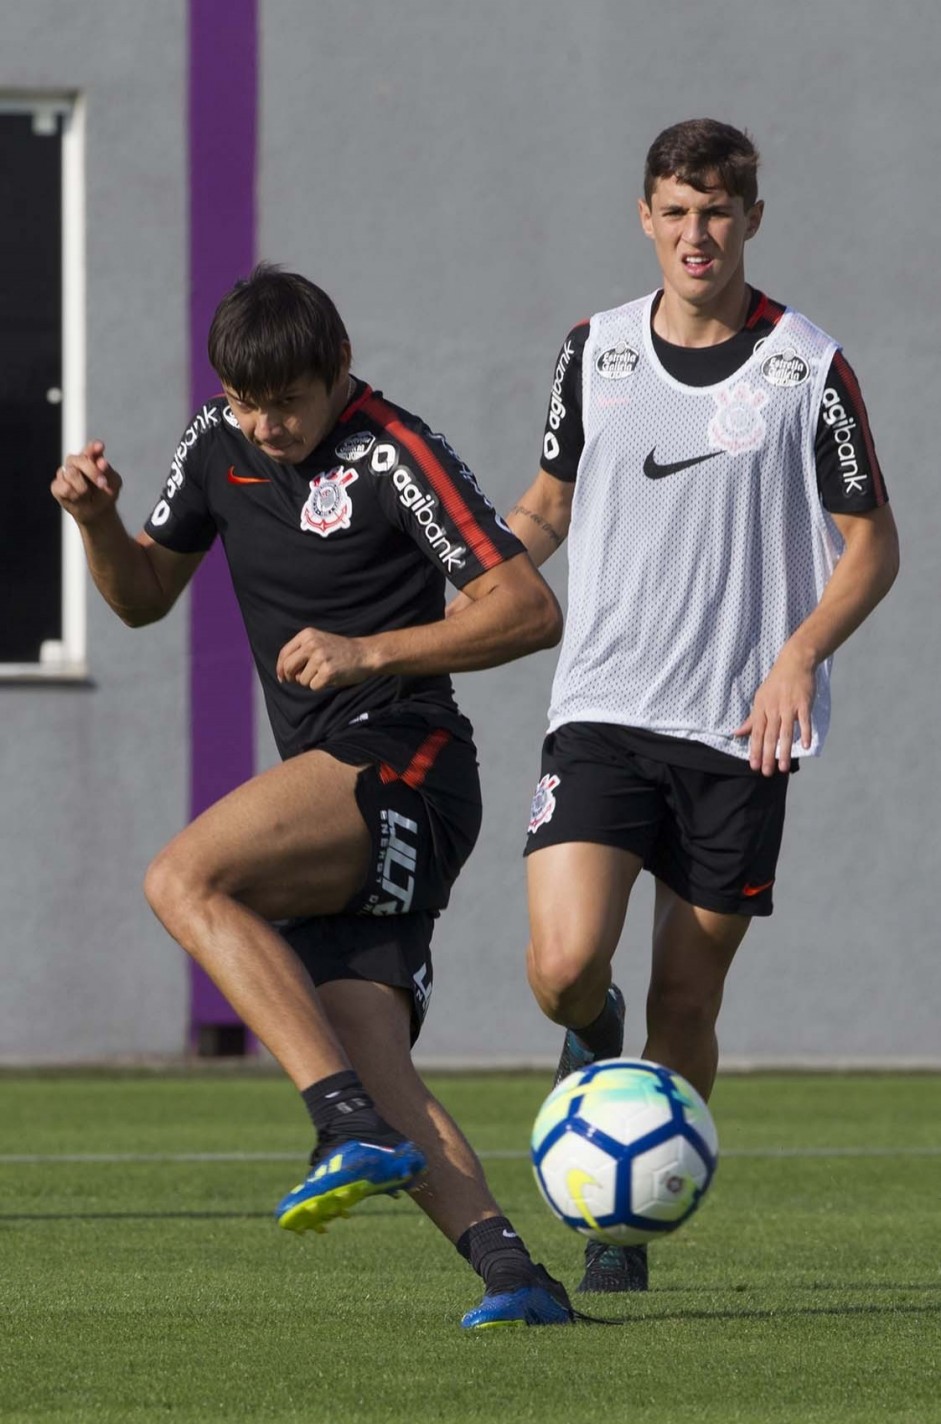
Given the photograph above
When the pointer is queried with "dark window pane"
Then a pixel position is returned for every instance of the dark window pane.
(30, 366)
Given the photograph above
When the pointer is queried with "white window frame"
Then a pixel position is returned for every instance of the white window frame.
(65, 658)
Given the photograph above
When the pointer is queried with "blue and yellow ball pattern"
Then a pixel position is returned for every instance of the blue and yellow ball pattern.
(624, 1151)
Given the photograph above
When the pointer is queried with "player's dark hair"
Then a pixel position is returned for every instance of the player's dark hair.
(274, 328)
(700, 152)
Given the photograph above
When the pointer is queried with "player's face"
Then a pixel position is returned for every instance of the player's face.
(699, 238)
(289, 424)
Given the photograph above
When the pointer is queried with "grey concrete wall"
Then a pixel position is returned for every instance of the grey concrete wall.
(95, 779)
(462, 178)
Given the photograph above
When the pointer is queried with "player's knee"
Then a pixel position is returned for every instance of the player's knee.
(559, 979)
(168, 886)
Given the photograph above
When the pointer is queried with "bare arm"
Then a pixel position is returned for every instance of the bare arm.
(863, 576)
(138, 579)
(541, 519)
(509, 611)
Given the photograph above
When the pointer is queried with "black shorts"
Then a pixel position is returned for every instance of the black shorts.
(382, 949)
(419, 794)
(711, 837)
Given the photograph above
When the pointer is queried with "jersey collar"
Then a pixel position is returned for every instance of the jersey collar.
(361, 394)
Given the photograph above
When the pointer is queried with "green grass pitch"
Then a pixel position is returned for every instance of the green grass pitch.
(143, 1277)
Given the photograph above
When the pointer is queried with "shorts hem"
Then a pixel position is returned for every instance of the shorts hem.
(609, 842)
(759, 908)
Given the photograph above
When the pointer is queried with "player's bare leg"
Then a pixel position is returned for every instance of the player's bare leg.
(290, 842)
(692, 952)
(373, 1022)
(578, 895)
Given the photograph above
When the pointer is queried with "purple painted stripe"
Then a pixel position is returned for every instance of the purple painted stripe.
(223, 59)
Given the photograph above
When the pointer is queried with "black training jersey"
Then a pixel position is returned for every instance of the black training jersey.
(848, 475)
(359, 538)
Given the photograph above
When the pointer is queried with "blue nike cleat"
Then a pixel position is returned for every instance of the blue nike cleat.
(576, 1055)
(342, 1176)
(533, 1304)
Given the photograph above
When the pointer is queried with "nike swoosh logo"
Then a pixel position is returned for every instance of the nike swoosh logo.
(576, 1179)
(235, 479)
(653, 471)
(750, 890)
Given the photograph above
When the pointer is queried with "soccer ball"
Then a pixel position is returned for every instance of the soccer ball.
(624, 1150)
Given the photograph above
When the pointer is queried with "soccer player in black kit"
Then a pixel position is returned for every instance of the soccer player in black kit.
(708, 456)
(309, 894)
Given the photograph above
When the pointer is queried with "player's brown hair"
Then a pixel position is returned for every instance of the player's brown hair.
(274, 328)
(700, 151)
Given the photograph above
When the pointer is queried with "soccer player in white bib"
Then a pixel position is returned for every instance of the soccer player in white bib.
(708, 456)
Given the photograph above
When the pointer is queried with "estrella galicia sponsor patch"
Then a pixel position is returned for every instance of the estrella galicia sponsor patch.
(543, 802)
(354, 447)
(785, 368)
(617, 362)
(328, 507)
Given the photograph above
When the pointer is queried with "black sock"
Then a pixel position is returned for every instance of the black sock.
(341, 1110)
(497, 1255)
(604, 1034)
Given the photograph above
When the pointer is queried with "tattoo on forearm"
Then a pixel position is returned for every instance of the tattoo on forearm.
(557, 538)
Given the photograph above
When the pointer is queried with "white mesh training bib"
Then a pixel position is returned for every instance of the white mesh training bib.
(698, 541)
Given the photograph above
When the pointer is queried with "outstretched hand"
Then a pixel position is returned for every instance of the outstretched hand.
(782, 702)
(86, 485)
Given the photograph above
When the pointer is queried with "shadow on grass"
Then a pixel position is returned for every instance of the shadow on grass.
(832, 1286)
(786, 1312)
(73, 1216)
(134, 1216)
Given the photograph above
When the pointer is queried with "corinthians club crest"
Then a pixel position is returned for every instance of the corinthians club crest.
(738, 424)
(543, 802)
(328, 506)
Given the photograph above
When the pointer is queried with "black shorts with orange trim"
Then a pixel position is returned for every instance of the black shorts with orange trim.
(712, 837)
(419, 794)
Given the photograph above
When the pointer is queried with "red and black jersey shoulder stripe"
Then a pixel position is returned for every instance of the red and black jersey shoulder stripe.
(465, 520)
(847, 375)
(764, 312)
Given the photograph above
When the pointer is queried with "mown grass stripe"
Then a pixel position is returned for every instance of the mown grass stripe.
(38, 1159)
